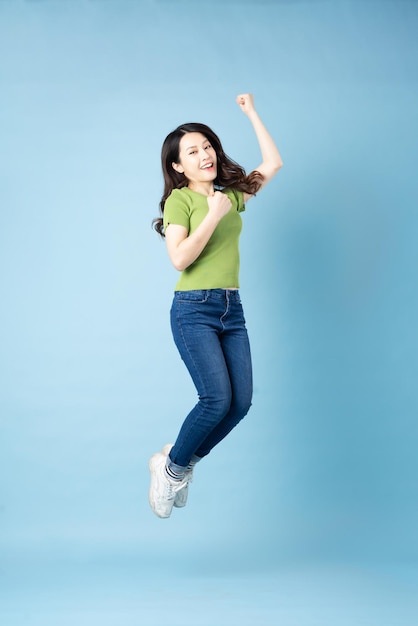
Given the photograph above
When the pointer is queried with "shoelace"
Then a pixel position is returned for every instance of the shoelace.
(188, 478)
(172, 489)
(189, 475)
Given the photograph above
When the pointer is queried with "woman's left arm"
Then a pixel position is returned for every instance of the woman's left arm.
(271, 159)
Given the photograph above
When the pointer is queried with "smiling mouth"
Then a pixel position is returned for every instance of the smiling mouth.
(208, 166)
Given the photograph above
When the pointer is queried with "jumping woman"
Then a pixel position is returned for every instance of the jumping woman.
(204, 194)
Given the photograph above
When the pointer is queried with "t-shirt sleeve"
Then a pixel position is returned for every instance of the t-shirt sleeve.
(240, 199)
(237, 197)
(176, 210)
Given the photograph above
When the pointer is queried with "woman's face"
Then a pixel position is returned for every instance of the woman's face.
(197, 159)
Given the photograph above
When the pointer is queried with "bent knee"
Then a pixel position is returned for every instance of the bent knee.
(240, 407)
(217, 406)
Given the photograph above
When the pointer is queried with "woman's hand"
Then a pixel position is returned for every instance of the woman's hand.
(183, 248)
(219, 204)
(246, 102)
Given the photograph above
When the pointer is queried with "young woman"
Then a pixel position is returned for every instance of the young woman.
(204, 194)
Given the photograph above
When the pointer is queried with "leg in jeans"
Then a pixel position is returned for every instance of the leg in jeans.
(236, 349)
(209, 331)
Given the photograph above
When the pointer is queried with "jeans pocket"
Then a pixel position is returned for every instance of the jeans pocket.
(195, 296)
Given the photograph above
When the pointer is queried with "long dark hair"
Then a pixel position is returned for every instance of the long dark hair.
(229, 173)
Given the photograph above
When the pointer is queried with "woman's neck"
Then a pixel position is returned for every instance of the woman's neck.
(206, 189)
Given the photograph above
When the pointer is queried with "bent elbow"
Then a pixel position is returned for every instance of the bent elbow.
(178, 258)
(277, 166)
(272, 170)
(180, 264)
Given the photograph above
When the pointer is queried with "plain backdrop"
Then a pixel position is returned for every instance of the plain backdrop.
(324, 467)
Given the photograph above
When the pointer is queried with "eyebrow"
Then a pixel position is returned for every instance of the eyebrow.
(203, 143)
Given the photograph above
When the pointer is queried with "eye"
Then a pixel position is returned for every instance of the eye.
(208, 146)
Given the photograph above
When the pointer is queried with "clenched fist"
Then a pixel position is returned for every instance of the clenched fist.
(246, 102)
(219, 204)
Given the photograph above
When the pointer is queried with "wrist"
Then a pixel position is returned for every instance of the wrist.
(252, 114)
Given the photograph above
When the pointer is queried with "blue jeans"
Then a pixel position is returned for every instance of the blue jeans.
(209, 331)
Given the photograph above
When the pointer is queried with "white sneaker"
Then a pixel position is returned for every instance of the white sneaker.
(163, 491)
(181, 496)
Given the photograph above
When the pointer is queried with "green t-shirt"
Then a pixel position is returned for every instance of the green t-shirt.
(217, 267)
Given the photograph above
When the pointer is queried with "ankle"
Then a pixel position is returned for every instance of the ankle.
(195, 459)
(175, 473)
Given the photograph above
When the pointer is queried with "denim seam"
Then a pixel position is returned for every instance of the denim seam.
(225, 312)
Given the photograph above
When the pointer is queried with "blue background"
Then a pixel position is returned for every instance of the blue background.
(307, 513)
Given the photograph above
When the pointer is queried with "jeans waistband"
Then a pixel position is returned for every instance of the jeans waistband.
(221, 294)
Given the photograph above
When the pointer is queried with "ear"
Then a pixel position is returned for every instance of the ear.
(177, 167)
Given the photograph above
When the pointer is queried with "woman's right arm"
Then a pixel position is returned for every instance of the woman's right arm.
(184, 249)
(271, 159)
